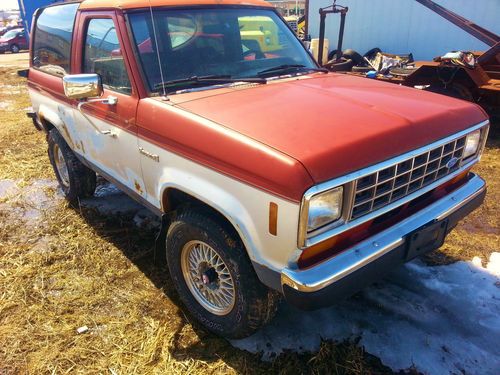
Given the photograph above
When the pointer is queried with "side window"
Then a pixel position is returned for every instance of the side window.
(52, 39)
(102, 55)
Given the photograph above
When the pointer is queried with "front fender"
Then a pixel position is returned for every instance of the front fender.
(245, 207)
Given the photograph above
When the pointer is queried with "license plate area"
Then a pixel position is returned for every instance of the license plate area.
(426, 238)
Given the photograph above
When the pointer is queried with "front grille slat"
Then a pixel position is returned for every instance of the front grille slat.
(389, 184)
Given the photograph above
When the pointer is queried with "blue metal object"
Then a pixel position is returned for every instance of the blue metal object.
(28, 8)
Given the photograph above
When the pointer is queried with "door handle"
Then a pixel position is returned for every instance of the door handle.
(110, 100)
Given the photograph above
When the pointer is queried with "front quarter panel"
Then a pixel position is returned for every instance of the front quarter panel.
(174, 158)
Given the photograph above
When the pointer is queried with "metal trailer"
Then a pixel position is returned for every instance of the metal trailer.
(480, 84)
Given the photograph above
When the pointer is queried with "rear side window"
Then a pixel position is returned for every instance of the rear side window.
(52, 39)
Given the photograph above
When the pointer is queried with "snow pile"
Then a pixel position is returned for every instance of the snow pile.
(109, 200)
(442, 319)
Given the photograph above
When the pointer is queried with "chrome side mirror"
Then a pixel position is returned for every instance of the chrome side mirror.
(82, 86)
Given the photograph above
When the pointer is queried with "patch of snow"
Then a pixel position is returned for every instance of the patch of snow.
(36, 200)
(146, 219)
(42, 245)
(8, 188)
(5, 105)
(441, 319)
(29, 202)
(109, 200)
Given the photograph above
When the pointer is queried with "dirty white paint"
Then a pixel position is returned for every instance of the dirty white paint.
(442, 320)
(403, 26)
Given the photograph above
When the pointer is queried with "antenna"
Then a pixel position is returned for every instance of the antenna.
(157, 50)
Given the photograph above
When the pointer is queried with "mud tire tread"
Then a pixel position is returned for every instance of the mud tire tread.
(82, 180)
(255, 304)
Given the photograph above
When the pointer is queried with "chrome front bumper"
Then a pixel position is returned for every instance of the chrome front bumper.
(308, 288)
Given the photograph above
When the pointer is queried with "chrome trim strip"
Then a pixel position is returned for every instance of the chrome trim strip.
(342, 225)
(462, 203)
(342, 265)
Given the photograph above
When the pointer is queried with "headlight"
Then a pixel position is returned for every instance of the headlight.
(472, 143)
(3, 44)
(324, 208)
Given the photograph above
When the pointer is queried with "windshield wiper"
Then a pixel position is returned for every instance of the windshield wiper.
(288, 67)
(209, 79)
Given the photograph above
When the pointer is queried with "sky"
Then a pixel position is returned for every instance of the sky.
(9, 4)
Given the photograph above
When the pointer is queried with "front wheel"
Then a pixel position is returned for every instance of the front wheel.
(14, 48)
(214, 277)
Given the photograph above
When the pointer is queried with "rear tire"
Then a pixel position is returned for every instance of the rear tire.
(332, 54)
(354, 56)
(76, 180)
(342, 65)
(221, 289)
(371, 53)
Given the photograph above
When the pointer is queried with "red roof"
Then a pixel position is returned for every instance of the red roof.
(131, 4)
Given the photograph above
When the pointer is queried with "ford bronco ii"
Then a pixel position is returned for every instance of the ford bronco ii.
(272, 177)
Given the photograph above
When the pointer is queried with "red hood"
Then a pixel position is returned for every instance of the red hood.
(336, 124)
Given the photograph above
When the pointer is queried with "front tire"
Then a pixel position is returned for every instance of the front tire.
(76, 180)
(14, 48)
(214, 277)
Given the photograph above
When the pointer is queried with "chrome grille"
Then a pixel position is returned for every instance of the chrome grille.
(392, 183)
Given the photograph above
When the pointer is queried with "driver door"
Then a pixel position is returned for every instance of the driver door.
(108, 133)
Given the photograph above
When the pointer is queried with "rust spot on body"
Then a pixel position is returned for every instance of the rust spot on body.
(138, 187)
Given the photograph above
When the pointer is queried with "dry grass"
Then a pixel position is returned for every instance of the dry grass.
(22, 149)
(77, 268)
(479, 233)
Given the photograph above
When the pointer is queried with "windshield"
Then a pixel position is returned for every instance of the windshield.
(229, 42)
(10, 34)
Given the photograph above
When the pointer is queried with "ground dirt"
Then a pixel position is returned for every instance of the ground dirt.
(64, 268)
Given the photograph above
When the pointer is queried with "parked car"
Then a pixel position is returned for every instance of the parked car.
(4, 29)
(271, 175)
(13, 40)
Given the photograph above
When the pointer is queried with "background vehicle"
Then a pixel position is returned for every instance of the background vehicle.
(27, 9)
(13, 40)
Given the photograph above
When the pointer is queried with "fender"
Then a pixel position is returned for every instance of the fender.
(220, 200)
(245, 207)
(58, 114)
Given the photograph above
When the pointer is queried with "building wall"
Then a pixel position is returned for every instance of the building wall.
(402, 26)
